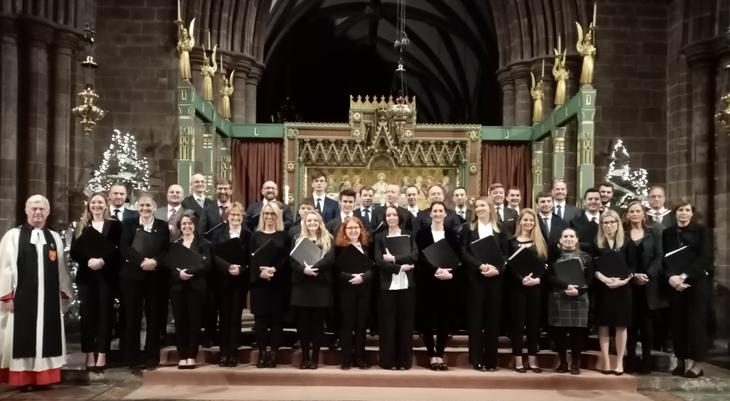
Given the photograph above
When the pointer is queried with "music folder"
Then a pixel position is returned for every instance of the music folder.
(398, 245)
(351, 260)
(613, 264)
(440, 254)
(266, 254)
(525, 261)
(145, 244)
(570, 272)
(306, 251)
(181, 257)
(679, 260)
(231, 251)
(486, 250)
(94, 244)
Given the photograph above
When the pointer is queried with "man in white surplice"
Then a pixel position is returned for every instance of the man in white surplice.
(33, 279)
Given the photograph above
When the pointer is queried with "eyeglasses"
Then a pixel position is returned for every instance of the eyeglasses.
(269, 214)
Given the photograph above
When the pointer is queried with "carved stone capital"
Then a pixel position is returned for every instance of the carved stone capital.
(520, 72)
(698, 53)
(505, 79)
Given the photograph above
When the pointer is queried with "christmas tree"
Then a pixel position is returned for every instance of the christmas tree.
(121, 164)
(628, 184)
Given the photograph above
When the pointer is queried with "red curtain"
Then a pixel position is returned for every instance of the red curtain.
(253, 163)
(509, 164)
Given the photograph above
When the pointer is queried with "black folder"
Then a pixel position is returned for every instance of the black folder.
(486, 250)
(525, 261)
(266, 254)
(679, 260)
(231, 251)
(145, 244)
(440, 254)
(570, 272)
(351, 260)
(613, 264)
(181, 257)
(306, 251)
(93, 244)
(398, 245)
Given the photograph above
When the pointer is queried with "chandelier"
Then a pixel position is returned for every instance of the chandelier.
(86, 110)
(400, 111)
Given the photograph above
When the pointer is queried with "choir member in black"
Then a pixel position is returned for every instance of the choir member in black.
(311, 294)
(355, 293)
(397, 296)
(586, 224)
(689, 293)
(484, 286)
(568, 304)
(613, 295)
(187, 290)
(233, 280)
(436, 288)
(649, 297)
(140, 276)
(269, 284)
(96, 278)
(524, 291)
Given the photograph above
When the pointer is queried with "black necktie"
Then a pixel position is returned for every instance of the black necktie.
(319, 205)
(558, 211)
(593, 220)
(117, 214)
(547, 225)
(366, 214)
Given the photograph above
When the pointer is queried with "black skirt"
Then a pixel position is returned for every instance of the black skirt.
(613, 306)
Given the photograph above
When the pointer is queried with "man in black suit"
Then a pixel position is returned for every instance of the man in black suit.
(550, 224)
(214, 215)
(269, 193)
(325, 206)
(561, 208)
(392, 196)
(658, 213)
(412, 192)
(506, 217)
(605, 189)
(586, 225)
(366, 211)
(514, 198)
(461, 207)
(117, 199)
(347, 206)
(436, 193)
(197, 200)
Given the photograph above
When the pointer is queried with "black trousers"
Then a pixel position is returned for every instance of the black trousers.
(141, 296)
(485, 307)
(355, 312)
(96, 310)
(396, 316)
(269, 330)
(689, 321)
(232, 301)
(164, 305)
(210, 317)
(573, 337)
(524, 316)
(187, 307)
(641, 329)
(310, 327)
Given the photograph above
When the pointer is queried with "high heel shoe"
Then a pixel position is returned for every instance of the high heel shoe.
(691, 374)
(535, 369)
(520, 369)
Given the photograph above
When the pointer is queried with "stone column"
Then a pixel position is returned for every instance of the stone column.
(239, 96)
(36, 156)
(508, 97)
(8, 124)
(537, 169)
(523, 100)
(252, 81)
(548, 84)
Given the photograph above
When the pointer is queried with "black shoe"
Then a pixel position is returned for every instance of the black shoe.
(562, 368)
(480, 367)
(346, 365)
(151, 366)
(313, 364)
(434, 366)
(574, 370)
(535, 369)
(521, 369)
(691, 374)
(272, 362)
(232, 362)
(363, 365)
(618, 373)
(261, 362)
(304, 364)
(442, 366)
(679, 370)
(223, 361)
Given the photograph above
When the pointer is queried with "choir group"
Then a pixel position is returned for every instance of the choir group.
(351, 266)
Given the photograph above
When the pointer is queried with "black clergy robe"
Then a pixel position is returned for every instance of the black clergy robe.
(33, 274)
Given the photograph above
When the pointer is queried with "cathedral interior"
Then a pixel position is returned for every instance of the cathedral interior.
(661, 70)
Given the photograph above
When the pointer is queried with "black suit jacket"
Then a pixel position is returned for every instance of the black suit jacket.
(451, 222)
(464, 220)
(375, 219)
(198, 281)
(330, 208)
(509, 223)
(222, 265)
(131, 259)
(698, 239)
(386, 270)
(469, 262)
(587, 232)
(112, 231)
(254, 211)
(210, 221)
(190, 203)
(557, 225)
(405, 217)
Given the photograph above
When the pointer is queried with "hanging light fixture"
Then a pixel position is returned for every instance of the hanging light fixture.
(86, 110)
(400, 111)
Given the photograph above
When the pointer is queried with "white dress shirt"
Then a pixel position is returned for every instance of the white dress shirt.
(484, 230)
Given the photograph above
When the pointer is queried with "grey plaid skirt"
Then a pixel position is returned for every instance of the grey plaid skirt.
(566, 311)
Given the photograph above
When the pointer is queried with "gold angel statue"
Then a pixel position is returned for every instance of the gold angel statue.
(537, 94)
(586, 48)
(207, 70)
(561, 75)
(185, 44)
(226, 93)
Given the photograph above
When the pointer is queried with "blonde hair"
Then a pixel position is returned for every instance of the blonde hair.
(601, 239)
(279, 225)
(492, 214)
(324, 238)
(535, 235)
(87, 216)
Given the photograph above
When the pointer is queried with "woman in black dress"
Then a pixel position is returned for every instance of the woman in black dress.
(484, 286)
(436, 288)
(187, 289)
(269, 283)
(311, 294)
(233, 278)
(613, 294)
(143, 244)
(648, 285)
(96, 278)
(397, 296)
(354, 289)
(690, 289)
(524, 292)
(568, 305)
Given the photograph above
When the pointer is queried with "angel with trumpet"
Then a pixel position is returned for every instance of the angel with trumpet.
(226, 92)
(185, 44)
(586, 47)
(208, 70)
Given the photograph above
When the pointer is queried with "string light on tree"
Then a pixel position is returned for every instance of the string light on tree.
(121, 164)
(629, 184)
